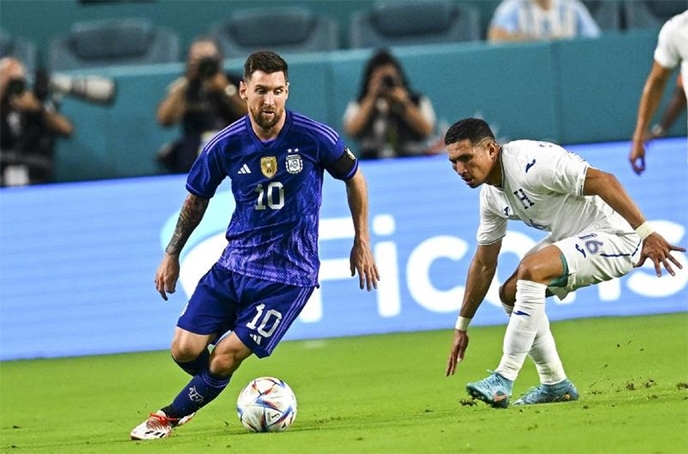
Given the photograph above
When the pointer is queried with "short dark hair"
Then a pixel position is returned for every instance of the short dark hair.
(208, 39)
(473, 129)
(381, 57)
(268, 62)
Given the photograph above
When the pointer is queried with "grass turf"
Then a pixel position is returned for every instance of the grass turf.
(373, 394)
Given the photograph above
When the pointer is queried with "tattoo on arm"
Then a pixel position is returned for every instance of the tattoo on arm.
(192, 212)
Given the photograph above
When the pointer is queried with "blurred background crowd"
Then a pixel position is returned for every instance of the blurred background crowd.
(95, 89)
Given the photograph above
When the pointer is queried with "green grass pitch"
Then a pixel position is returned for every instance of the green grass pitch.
(372, 394)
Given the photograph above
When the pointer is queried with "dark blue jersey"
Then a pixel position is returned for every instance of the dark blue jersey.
(277, 187)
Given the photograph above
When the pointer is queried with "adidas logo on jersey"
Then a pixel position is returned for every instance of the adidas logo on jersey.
(244, 170)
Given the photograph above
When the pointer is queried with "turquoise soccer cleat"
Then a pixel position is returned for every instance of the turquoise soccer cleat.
(494, 390)
(561, 392)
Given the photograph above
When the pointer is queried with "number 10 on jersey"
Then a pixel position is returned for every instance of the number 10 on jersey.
(270, 196)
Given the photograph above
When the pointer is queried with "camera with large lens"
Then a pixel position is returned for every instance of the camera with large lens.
(208, 67)
(91, 88)
(389, 82)
(15, 87)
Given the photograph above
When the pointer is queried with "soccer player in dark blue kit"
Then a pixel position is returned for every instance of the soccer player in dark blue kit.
(276, 160)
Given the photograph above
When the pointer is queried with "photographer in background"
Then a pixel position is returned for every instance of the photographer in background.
(29, 125)
(204, 100)
(389, 119)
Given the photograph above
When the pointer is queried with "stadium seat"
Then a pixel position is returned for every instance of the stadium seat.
(651, 13)
(20, 48)
(113, 42)
(607, 14)
(280, 29)
(406, 22)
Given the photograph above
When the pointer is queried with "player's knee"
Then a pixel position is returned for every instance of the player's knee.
(183, 352)
(507, 294)
(530, 269)
(225, 363)
(524, 270)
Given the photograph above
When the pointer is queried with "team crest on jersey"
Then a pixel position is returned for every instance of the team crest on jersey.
(294, 163)
(268, 165)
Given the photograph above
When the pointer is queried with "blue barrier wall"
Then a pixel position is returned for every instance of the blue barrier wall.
(598, 86)
(77, 260)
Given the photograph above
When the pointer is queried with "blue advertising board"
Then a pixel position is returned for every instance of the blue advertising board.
(77, 261)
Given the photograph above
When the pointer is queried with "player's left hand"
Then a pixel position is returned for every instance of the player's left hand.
(657, 249)
(361, 261)
(458, 350)
(166, 275)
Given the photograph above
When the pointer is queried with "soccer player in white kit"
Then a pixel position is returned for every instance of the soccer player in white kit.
(596, 233)
(672, 49)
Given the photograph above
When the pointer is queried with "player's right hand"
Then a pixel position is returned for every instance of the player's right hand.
(637, 157)
(458, 350)
(167, 274)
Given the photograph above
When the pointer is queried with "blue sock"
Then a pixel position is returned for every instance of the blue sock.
(200, 391)
(195, 366)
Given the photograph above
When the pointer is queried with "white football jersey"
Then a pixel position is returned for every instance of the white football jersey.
(672, 46)
(542, 185)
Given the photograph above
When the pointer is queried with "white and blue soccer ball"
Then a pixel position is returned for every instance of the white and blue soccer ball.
(266, 404)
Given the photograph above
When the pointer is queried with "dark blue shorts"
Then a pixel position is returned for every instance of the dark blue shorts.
(260, 312)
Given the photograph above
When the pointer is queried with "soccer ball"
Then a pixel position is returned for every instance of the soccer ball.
(266, 404)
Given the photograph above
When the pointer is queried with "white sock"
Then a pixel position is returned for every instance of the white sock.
(544, 355)
(522, 328)
(544, 352)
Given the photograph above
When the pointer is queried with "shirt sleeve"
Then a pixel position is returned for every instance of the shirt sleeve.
(666, 53)
(586, 25)
(506, 16)
(351, 111)
(427, 110)
(493, 223)
(207, 172)
(340, 162)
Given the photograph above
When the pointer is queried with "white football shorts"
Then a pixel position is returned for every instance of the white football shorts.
(594, 257)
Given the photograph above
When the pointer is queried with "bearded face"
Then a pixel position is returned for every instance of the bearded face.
(266, 117)
(266, 96)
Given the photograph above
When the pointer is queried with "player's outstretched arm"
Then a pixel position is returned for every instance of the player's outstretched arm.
(649, 102)
(480, 274)
(655, 247)
(361, 259)
(190, 216)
